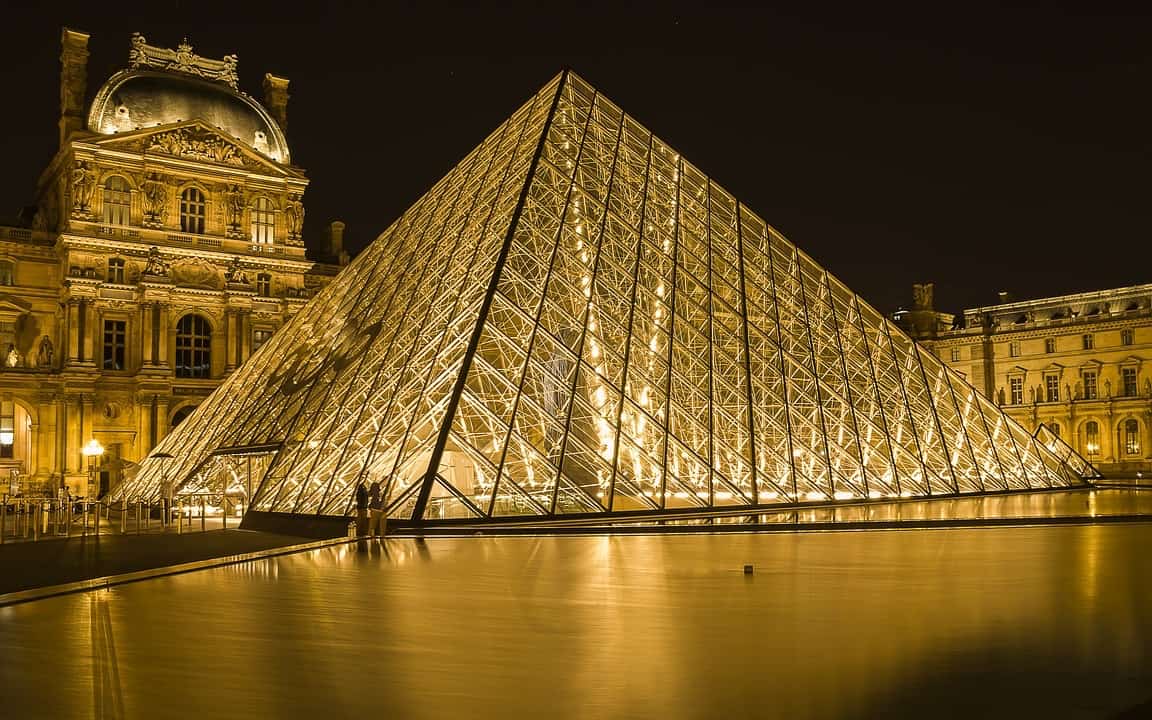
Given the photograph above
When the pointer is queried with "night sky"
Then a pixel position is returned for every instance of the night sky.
(984, 151)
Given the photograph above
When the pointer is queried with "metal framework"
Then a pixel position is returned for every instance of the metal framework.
(575, 320)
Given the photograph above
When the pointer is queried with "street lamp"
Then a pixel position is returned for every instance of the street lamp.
(93, 450)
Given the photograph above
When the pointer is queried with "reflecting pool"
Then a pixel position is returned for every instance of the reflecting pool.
(1051, 622)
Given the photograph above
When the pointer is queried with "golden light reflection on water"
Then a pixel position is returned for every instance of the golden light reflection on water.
(989, 622)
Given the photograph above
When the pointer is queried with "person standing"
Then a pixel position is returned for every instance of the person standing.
(376, 510)
(361, 510)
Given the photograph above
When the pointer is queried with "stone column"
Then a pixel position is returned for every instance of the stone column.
(245, 336)
(145, 334)
(73, 331)
(166, 333)
(231, 349)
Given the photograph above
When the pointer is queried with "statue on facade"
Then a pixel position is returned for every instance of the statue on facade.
(228, 70)
(1107, 388)
(44, 355)
(137, 54)
(922, 296)
(82, 186)
(155, 199)
(156, 264)
(234, 207)
(234, 274)
(294, 215)
(11, 357)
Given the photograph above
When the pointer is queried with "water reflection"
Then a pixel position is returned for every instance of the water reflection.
(987, 622)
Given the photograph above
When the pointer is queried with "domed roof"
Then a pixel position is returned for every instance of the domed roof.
(140, 99)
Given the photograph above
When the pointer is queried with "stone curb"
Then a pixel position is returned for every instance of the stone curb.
(22, 596)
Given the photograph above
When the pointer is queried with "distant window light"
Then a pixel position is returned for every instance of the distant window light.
(1131, 437)
(1087, 341)
(955, 354)
(263, 221)
(1127, 337)
(1092, 437)
(116, 270)
(1014, 349)
(1050, 345)
(1052, 388)
(1016, 390)
(193, 210)
(117, 201)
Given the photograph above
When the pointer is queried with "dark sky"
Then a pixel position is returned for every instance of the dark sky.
(982, 150)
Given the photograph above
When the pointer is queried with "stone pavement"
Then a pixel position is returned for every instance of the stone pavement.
(28, 565)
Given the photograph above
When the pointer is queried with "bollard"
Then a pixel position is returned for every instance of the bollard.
(96, 519)
(123, 516)
(35, 529)
(224, 511)
(179, 517)
(68, 519)
(203, 513)
(3, 517)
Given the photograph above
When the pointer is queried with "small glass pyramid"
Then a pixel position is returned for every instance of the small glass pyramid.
(575, 320)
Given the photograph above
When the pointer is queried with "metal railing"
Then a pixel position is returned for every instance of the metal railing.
(25, 519)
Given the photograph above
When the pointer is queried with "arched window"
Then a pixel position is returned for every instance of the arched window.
(1131, 437)
(193, 347)
(1055, 428)
(264, 285)
(1091, 438)
(179, 416)
(192, 211)
(117, 201)
(263, 221)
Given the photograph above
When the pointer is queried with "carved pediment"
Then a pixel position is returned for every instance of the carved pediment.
(195, 273)
(194, 140)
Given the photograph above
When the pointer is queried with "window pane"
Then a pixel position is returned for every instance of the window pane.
(192, 211)
(193, 347)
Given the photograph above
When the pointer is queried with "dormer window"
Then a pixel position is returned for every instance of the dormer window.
(192, 211)
(263, 221)
(117, 201)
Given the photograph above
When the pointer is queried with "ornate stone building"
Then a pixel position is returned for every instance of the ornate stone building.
(164, 248)
(1072, 362)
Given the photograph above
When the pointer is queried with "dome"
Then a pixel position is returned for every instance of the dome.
(140, 99)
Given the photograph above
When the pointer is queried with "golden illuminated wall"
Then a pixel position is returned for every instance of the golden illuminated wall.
(577, 320)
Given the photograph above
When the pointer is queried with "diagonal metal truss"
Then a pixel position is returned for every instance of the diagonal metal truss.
(575, 320)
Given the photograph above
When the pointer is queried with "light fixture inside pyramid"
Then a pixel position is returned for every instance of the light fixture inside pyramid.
(576, 320)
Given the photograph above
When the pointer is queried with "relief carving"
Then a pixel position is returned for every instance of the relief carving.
(198, 143)
(197, 273)
(155, 196)
(182, 59)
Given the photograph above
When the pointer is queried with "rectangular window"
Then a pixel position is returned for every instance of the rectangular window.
(1087, 341)
(116, 271)
(7, 429)
(1131, 437)
(1128, 375)
(1090, 384)
(1052, 388)
(1013, 349)
(1050, 345)
(264, 285)
(1016, 390)
(1127, 337)
(259, 337)
(115, 332)
(955, 354)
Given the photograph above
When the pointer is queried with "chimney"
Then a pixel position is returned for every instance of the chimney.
(276, 99)
(336, 242)
(73, 81)
(1005, 297)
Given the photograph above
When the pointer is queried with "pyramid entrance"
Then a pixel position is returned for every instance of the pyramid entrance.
(575, 321)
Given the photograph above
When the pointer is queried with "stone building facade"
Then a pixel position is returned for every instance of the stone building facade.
(164, 248)
(1072, 362)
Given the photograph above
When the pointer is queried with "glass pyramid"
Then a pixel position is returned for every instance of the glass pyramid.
(575, 320)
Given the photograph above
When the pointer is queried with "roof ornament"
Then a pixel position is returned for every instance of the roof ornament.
(182, 60)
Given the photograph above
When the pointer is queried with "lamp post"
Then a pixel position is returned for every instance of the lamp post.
(93, 450)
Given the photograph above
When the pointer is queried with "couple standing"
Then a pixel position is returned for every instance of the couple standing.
(369, 500)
